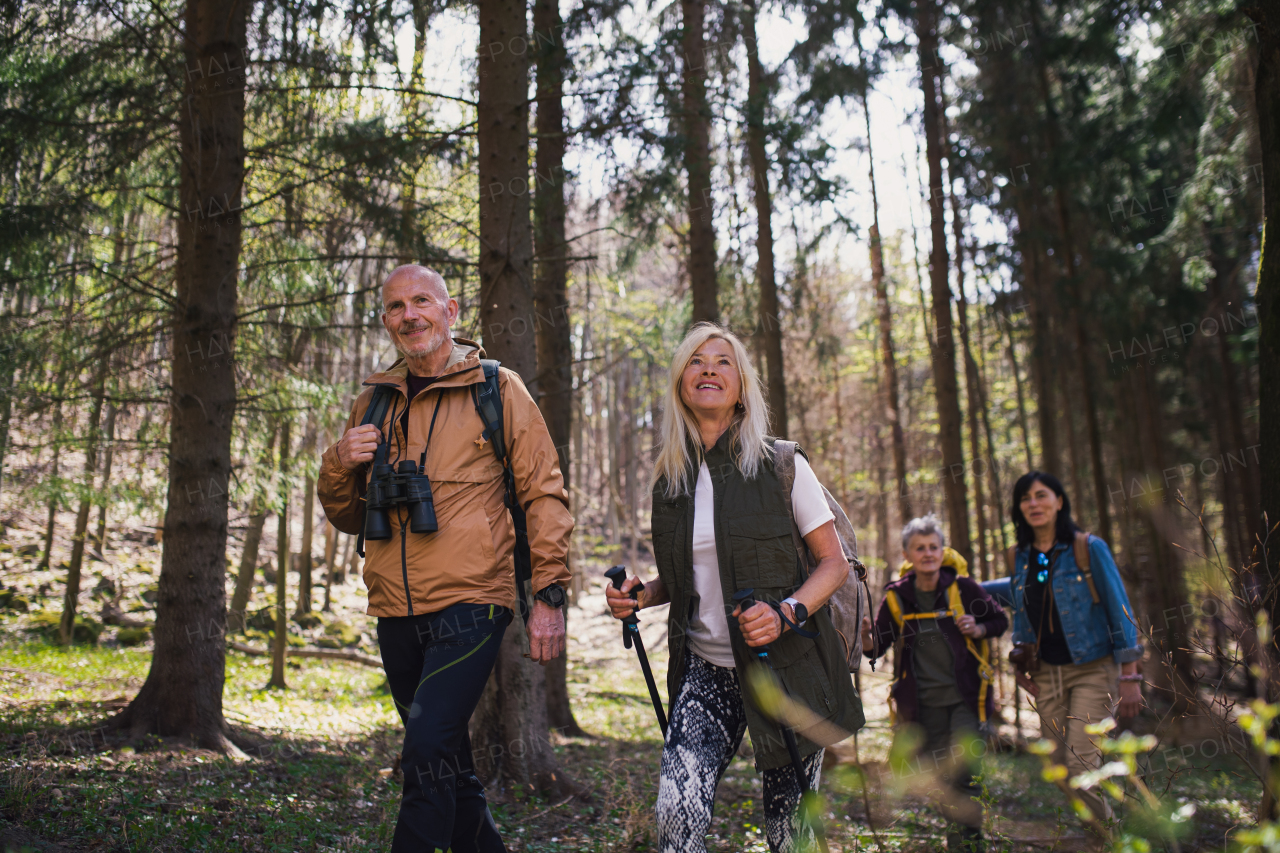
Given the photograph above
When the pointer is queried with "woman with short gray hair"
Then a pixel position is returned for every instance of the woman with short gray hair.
(937, 621)
(925, 525)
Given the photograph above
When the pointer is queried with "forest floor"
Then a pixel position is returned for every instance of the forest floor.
(320, 775)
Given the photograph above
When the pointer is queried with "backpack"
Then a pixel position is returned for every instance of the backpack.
(487, 397)
(955, 609)
(852, 601)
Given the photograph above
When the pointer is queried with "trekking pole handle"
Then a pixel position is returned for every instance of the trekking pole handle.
(616, 576)
(746, 599)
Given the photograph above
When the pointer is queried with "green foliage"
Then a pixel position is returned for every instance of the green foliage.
(45, 623)
(133, 636)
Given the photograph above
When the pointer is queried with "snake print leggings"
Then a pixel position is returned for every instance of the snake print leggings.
(707, 724)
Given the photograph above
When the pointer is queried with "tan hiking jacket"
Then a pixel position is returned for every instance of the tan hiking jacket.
(470, 558)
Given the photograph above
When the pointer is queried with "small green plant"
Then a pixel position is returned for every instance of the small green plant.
(46, 624)
(133, 636)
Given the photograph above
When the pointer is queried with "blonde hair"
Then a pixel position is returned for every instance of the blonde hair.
(680, 428)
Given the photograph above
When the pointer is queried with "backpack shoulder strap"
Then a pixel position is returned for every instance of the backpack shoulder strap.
(1080, 547)
(375, 413)
(895, 607)
(487, 397)
(980, 650)
(954, 602)
(784, 465)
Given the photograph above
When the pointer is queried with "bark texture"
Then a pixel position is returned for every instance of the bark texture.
(183, 691)
(696, 126)
(766, 274)
(506, 239)
(893, 408)
(944, 355)
(509, 728)
(554, 387)
(280, 642)
(1267, 99)
(71, 597)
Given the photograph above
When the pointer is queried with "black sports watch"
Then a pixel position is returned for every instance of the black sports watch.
(551, 594)
(802, 612)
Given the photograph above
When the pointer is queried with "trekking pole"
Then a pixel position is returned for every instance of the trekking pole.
(746, 600)
(631, 634)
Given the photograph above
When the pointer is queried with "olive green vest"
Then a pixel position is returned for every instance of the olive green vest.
(754, 549)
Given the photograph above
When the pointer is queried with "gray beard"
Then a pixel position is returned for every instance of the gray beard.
(439, 339)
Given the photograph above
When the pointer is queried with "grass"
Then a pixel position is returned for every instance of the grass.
(319, 777)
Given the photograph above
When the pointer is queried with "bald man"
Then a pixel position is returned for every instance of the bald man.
(444, 599)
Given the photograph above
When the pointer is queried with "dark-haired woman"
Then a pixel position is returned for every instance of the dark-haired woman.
(1075, 615)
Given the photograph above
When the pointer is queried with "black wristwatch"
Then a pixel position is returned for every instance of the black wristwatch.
(802, 612)
(551, 594)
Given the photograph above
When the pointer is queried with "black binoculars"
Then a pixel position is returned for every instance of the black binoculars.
(402, 487)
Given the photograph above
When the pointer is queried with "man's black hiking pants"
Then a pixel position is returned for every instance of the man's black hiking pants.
(437, 665)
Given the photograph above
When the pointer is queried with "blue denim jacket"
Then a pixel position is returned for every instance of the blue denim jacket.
(1093, 630)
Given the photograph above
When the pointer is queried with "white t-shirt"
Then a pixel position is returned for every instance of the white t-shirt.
(709, 630)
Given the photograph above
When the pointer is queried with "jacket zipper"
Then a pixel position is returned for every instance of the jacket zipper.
(404, 565)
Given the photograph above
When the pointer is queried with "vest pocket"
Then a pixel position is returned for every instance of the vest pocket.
(807, 681)
(764, 555)
(664, 546)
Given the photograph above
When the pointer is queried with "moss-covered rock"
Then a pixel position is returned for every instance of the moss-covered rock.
(133, 636)
(340, 634)
(306, 620)
(46, 623)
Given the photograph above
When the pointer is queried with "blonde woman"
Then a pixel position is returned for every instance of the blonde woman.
(721, 524)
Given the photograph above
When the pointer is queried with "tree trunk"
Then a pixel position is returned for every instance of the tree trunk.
(766, 276)
(893, 409)
(46, 558)
(308, 539)
(944, 361)
(1267, 100)
(8, 368)
(237, 614)
(509, 728)
(506, 239)
(411, 103)
(1226, 268)
(330, 571)
(71, 597)
(183, 691)
(281, 638)
(1079, 296)
(696, 121)
(1012, 354)
(1267, 95)
(1164, 584)
(972, 388)
(108, 457)
(249, 553)
(997, 512)
(1065, 410)
(554, 387)
(354, 561)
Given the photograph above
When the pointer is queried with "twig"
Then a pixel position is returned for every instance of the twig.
(546, 810)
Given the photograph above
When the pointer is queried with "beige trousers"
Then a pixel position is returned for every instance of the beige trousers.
(1071, 697)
